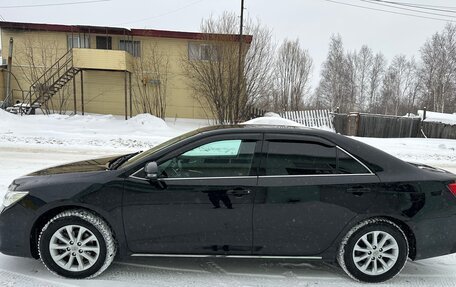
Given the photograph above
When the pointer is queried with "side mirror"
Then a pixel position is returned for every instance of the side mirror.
(151, 170)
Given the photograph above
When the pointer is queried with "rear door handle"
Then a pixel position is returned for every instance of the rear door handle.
(238, 192)
(358, 190)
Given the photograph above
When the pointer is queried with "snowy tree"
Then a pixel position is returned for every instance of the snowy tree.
(215, 79)
(292, 75)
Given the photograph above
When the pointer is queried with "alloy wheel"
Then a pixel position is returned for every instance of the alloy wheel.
(375, 253)
(74, 248)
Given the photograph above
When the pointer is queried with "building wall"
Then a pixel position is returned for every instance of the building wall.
(104, 91)
(2, 85)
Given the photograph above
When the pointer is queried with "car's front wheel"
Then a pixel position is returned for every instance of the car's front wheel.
(373, 251)
(76, 244)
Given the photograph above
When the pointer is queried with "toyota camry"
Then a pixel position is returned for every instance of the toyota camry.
(284, 193)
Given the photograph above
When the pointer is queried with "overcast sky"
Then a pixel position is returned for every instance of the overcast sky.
(312, 21)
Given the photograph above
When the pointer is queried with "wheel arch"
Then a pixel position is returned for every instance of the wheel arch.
(49, 214)
(408, 233)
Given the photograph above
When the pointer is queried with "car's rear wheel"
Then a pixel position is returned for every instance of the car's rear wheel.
(76, 244)
(373, 251)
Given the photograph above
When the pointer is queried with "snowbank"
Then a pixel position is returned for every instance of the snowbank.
(273, 120)
(449, 119)
(140, 132)
(276, 120)
(436, 152)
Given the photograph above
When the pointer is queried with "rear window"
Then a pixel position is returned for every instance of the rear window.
(309, 158)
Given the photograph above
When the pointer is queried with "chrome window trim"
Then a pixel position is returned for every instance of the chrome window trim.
(368, 169)
(207, 177)
(196, 178)
(138, 178)
(224, 256)
(316, 175)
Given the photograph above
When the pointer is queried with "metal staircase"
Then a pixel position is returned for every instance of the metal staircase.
(49, 84)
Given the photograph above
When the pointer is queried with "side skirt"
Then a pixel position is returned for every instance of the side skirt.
(226, 256)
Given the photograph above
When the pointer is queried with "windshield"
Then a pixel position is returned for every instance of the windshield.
(139, 157)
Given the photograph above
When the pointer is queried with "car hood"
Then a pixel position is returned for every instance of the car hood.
(91, 165)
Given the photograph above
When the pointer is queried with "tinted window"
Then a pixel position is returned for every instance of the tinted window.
(216, 159)
(300, 158)
(348, 165)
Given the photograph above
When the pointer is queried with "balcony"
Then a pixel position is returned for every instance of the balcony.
(108, 60)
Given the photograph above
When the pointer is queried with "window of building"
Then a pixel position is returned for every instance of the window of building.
(224, 158)
(202, 52)
(78, 41)
(104, 42)
(132, 47)
(300, 158)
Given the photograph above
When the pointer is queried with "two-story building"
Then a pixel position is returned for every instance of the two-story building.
(107, 70)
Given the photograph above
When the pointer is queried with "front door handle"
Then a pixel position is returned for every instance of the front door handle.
(238, 192)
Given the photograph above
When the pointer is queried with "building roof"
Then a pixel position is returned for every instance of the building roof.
(118, 31)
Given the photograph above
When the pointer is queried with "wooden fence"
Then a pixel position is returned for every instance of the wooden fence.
(310, 118)
(383, 126)
(438, 130)
(255, 113)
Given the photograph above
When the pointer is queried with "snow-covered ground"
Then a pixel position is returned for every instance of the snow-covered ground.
(33, 142)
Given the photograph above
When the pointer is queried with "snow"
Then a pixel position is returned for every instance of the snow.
(449, 119)
(272, 120)
(438, 152)
(276, 120)
(30, 143)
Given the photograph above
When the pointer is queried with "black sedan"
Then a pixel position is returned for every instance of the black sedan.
(240, 192)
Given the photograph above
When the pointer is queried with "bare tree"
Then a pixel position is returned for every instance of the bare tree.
(400, 86)
(364, 64)
(438, 70)
(376, 75)
(332, 91)
(212, 67)
(150, 77)
(292, 74)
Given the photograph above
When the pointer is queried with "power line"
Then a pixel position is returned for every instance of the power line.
(389, 11)
(53, 4)
(395, 6)
(2, 19)
(420, 5)
(164, 14)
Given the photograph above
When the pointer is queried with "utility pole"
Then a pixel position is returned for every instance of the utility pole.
(240, 62)
(8, 96)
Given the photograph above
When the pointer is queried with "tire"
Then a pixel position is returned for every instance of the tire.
(359, 246)
(78, 236)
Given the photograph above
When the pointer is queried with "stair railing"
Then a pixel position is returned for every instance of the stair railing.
(53, 73)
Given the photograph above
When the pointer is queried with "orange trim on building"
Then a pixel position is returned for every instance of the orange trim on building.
(119, 31)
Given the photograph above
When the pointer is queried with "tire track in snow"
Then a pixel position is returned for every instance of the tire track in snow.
(10, 278)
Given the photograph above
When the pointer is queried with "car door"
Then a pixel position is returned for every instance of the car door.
(202, 202)
(308, 190)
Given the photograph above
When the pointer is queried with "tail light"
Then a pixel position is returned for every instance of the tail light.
(452, 188)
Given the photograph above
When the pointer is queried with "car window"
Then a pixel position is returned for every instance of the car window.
(348, 165)
(224, 158)
(300, 158)
(141, 156)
